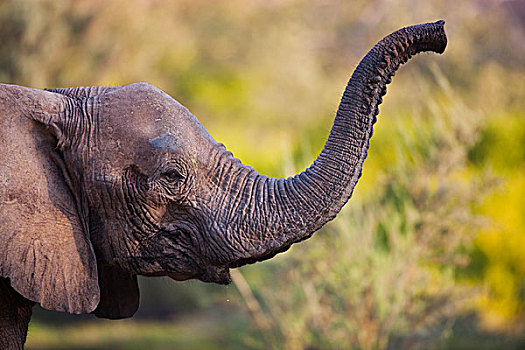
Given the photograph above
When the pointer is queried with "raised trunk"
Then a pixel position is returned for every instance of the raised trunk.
(271, 214)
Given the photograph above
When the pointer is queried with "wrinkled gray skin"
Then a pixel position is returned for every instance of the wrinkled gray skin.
(99, 185)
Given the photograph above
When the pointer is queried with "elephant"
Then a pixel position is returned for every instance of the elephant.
(101, 184)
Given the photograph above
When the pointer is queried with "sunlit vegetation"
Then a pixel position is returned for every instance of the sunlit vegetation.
(430, 252)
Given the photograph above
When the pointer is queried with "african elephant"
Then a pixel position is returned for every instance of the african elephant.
(101, 184)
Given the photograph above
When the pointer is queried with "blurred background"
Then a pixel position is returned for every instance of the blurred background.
(430, 251)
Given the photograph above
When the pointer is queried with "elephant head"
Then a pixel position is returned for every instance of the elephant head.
(98, 185)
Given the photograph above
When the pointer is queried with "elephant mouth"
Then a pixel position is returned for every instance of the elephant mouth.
(211, 274)
(180, 276)
(215, 274)
(208, 271)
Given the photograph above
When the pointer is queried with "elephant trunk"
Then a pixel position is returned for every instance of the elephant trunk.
(265, 216)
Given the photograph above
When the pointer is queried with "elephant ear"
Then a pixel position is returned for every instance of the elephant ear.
(44, 245)
(119, 291)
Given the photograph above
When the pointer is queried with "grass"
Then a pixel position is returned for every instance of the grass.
(206, 330)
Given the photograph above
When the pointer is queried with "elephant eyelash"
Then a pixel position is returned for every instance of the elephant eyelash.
(172, 175)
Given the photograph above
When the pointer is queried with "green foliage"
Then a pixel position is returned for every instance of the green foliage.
(202, 331)
(504, 134)
(383, 273)
(500, 246)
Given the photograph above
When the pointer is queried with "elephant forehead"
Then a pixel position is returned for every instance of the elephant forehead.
(155, 132)
(123, 144)
(146, 123)
(147, 117)
(144, 110)
(166, 143)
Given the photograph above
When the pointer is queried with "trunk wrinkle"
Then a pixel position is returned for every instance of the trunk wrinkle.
(298, 206)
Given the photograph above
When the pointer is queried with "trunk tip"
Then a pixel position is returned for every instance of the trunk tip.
(442, 36)
(431, 36)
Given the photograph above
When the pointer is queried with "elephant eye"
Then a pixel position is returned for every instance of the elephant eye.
(172, 175)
